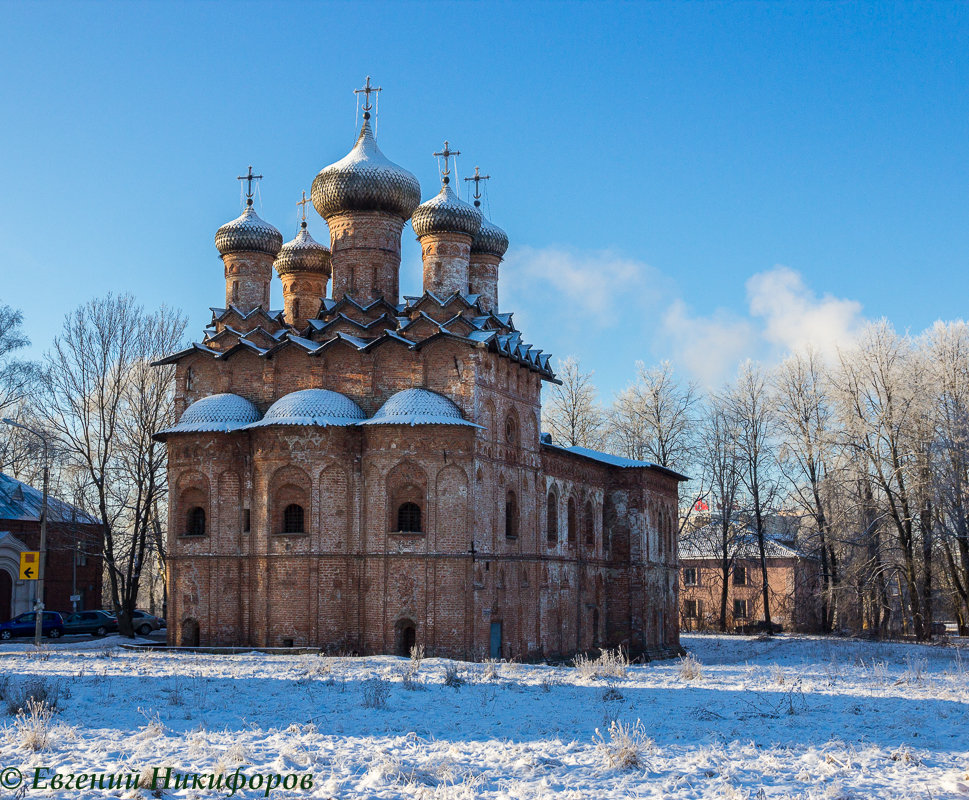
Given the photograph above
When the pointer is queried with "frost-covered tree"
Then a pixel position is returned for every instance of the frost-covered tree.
(572, 414)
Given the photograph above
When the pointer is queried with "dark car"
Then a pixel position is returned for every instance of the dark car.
(52, 625)
(97, 623)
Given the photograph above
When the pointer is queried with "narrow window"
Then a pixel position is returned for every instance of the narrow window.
(589, 523)
(511, 430)
(189, 379)
(235, 291)
(293, 519)
(740, 576)
(295, 309)
(196, 522)
(409, 517)
(511, 516)
(573, 523)
(689, 576)
(552, 519)
(246, 521)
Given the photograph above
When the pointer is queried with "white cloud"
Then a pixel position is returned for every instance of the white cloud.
(593, 283)
(795, 317)
(708, 347)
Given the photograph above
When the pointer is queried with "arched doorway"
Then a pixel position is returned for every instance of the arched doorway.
(6, 595)
(190, 633)
(405, 637)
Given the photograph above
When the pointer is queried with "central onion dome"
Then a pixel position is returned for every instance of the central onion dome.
(365, 180)
(490, 240)
(418, 407)
(218, 413)
(303, 254)
(446, 213)
(312, 407)
(248, 233)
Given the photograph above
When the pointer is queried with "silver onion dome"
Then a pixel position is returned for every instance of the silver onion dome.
(490, 239)
(248, 232)
(303, 254)
(446, 213)
(365, 180)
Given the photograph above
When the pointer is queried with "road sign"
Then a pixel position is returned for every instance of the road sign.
(75, 598)
(29, 565)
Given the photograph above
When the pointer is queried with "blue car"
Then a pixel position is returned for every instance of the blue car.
(52, 625)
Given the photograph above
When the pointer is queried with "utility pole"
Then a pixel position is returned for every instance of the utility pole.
(42, 557)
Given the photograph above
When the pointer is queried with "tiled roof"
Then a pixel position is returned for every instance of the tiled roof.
(22, 502)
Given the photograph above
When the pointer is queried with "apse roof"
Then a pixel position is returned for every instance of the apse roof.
(217, 413)
(418, 407)
(320, 407)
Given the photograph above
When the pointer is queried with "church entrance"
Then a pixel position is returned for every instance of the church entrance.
(405, 637)
(494, 644)
(6, 595)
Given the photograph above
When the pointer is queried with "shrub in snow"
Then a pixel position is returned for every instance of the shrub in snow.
(612, 694)
(452, 677)
(416, 657)
(375, 693)
(489, 669)
(32, 725)
(18, 694)
(690, 668)
(611, 664)
(777, 675)
(626, 745)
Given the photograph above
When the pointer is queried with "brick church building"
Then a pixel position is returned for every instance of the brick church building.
(361, 472)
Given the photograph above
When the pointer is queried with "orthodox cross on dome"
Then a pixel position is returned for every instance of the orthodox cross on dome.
(302, 203)
(447, 152)
(249, 179)
(477, 178)
(366, 91)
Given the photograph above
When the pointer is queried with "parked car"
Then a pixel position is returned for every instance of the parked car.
(52, 625)
(97, 623)
(144, 623)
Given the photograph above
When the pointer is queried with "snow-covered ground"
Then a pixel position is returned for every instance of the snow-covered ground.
(788, 718)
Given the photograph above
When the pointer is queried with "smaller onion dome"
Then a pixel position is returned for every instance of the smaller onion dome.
(365, 180)
(491, 240)
(418, 407)
(312, 407)
(248, 233)
(446, 213)
(303, 254)
(217, 412)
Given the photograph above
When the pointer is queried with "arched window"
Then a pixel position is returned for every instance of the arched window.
(196, 522)
(189, 379)
(511, 516)
(409, 517)
(573, 523)
(295, 309)
(552, 519)
(589, 523)
(293, 519)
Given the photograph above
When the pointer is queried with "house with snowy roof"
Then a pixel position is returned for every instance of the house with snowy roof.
(363, 472)
(73, 566)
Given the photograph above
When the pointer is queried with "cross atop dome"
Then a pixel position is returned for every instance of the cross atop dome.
(302, 203)
(447, 152)
(366, 91)
(477, 178)
(249, 179)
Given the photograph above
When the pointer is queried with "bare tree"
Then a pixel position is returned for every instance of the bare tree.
(18, 449)
(104, 401)
(573, 416)
(753, 421)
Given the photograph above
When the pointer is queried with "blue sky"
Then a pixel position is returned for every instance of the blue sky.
(700, 182)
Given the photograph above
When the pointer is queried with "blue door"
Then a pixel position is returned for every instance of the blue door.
(495, 649)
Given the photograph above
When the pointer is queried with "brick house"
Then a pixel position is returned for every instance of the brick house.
(363, 472)
(73, 564)
(793, 578)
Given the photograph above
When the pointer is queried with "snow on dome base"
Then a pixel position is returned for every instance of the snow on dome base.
(418, 407)
(319, 407)
(218, 413)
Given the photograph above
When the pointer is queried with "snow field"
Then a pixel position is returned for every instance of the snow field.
(791, 718)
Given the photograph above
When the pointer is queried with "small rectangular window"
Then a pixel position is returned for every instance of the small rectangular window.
(690, 576)
(740, 576)
(691, 609)
(740, 609)
(245, 520)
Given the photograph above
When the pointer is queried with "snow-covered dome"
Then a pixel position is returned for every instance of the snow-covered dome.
(418, 407)
(303, 254)
(217, 412)
(312, 407)
(365, 180)
(248, 233)
(446, 213)
(490, 239)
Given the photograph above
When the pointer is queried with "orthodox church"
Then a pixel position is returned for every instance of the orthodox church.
(361, 472)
